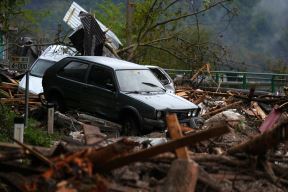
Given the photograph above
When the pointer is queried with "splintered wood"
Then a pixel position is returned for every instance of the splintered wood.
(9, 96)
(88, 162)
(235, 147)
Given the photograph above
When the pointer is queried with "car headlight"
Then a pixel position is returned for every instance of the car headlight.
(195, 113)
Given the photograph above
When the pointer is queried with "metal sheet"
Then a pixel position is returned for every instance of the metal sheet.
(72, 19)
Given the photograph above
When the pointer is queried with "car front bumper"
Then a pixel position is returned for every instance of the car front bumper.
(161, 124)
(153, 123)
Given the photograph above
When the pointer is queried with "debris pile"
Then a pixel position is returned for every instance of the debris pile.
(198, 160)
(240, 145)
(10, 95)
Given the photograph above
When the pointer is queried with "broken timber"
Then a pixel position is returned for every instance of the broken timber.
(169, 146)
(261, 143)
(183, 166)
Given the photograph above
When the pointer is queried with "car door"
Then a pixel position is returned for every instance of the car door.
(101, 91)
(71, 79)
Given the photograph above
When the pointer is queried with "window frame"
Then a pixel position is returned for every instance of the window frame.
(112, 72)
(68, 78)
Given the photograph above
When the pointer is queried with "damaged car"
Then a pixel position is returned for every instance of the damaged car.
(49, 57)
(116, 90)
(164, 78)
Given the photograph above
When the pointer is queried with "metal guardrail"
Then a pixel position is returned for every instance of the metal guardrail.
(271, 82)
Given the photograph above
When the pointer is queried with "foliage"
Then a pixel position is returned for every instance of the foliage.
(169, 34)
(111, 14)
(14, 14)
(33, 135)
(7, 122)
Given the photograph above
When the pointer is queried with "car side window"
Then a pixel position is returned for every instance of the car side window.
(160, 75)
(101, 77)
(74, 71)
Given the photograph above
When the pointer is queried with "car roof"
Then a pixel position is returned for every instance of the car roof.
(113, 63)
(152, 66)
(57, 52)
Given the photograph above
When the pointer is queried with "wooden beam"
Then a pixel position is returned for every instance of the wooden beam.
(169, 146)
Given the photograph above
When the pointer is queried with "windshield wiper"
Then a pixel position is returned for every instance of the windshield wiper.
(135, 92)
(153, 85)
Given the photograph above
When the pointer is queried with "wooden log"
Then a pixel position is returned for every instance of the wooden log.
(220, 159)
(9, 146)
(87, 157)
(35, 153)
(104, 125)
(184, 183)
(200, 99)
(259, 110)
(189, 140)
(208, 180)
(267, 140)
(232, 105)
(66, 121)
(188, 168)
(175, 132)
(92, 134)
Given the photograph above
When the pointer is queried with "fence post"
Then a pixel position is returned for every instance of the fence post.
(19, 129)
(273, 83)
(50, 118)
(244, 85)
(217, 78)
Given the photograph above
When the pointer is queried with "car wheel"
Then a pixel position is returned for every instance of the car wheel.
(130, 127)
(58, 102)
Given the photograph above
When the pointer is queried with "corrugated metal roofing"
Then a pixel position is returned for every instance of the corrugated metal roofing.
(72, 19)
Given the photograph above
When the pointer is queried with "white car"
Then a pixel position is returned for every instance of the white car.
(163, 77)
(48, 58)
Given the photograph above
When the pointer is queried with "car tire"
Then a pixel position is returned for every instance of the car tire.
(130, 126)
(58, 102)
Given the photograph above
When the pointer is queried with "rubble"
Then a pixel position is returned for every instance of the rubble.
(241, 146)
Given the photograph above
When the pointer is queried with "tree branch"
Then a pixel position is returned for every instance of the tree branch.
(146, 21)
(167, 51)
(145, 43)
(184, 16)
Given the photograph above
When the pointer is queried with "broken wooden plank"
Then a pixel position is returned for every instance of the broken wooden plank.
(184, 183)
(66, 121)
(175, 132)
(261, 143)
(34, 152)
(9, 146)
(169, 146)
(92, 134)
(259, 110)
(232, 105)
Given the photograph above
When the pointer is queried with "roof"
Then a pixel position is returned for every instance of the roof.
(72, 19)
(113, 63)
(151, 66)
(57, 52)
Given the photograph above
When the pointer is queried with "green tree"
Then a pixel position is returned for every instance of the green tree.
(167, 33)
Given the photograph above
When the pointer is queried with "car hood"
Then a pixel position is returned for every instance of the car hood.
(35, 84)
(166, 101)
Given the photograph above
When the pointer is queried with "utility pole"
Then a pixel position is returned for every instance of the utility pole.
(128, 21)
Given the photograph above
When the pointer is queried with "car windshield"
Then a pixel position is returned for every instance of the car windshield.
(39, 68)
(135, 80)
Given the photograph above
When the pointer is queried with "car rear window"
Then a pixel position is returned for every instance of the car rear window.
(39, 68)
